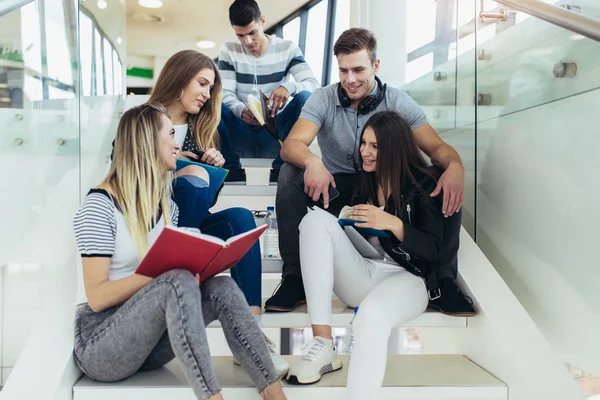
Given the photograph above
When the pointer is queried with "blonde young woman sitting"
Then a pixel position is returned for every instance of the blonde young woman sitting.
(190, 88)
(127, 323)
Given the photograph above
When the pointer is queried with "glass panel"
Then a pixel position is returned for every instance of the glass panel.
(517, 64)
(342, 23)
(538, 189)
(315, 32)
(291, 30)
(36, 239)
(37, 252)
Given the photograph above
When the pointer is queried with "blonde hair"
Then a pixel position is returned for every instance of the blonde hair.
(179, 70)
(138, 179)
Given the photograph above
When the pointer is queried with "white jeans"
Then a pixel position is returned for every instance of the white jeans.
(387, 294)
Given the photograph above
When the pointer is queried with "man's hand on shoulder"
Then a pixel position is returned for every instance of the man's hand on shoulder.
(317, 180)
(278, 99)
(452, 183)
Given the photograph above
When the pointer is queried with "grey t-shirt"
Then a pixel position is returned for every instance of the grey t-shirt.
(340, 128)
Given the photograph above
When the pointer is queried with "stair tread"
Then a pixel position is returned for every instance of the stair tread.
(341, 316)
(406, 370)
(249, 190)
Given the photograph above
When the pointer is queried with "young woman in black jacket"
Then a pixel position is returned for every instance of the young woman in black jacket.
(392, 194)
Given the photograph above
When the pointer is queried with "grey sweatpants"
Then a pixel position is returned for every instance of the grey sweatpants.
(167, 318)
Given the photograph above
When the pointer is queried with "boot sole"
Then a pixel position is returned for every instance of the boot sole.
(451, 314)
(331, 367)
(284, 309)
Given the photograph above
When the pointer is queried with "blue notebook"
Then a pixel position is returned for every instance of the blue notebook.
(217, 175)
(363, 231)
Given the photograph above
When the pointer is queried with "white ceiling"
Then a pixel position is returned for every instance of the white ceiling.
(187, 20)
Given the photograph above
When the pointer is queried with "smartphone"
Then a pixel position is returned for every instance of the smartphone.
(333, 194)
(199, 153)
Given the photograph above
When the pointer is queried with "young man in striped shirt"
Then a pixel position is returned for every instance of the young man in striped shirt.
(258, 62)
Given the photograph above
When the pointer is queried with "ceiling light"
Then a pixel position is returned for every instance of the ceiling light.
(577, 37)
(206, 44)
(119, 40)
(102, 4)
(150, 3)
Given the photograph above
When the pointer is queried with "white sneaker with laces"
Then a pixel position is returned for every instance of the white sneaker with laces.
(281, 366)
(318, 358)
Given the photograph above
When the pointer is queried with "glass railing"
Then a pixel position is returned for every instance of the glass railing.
(537, 190)
(518, 99)
(49, 151)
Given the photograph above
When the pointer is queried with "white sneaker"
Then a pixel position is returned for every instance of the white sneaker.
(318, 358)
(281, 366)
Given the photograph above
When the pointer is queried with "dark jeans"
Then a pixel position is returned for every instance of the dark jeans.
(167, 318)
(291, 203)
(193, 202)
(241, 140)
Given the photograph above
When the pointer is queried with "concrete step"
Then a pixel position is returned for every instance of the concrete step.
(342, 315)
(409, 377)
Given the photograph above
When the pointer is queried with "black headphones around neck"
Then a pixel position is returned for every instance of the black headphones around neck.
(369, 103)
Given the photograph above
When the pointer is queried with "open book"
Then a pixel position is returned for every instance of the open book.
(345, 220)
(198, 253)
(262, 112)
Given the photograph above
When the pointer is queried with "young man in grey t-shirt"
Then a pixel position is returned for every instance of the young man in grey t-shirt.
(337, 114)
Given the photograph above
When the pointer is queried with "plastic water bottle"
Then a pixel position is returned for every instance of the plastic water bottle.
(271, 241)
(351, 341)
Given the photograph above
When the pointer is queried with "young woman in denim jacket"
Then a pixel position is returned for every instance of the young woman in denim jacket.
(189, 86)
(392, 194)
(127, 323)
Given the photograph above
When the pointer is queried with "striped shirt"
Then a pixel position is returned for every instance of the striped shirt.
(242, 73)
(101, 231)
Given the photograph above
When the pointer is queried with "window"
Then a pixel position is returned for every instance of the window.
(58, 56)
(315, 32)
(291, 30)
(342, 23)
(86, 39)
(30, 34)
(98, 63)
(108, 67)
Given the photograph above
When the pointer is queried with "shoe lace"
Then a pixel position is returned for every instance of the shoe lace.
(313, 350)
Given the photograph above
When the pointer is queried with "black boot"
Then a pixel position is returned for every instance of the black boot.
(288, 296)
(452, 301)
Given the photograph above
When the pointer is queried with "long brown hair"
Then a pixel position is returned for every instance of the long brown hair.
(398, 158)
(179, 70)
(138, 178)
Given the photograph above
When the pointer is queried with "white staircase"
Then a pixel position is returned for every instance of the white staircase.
(498, 354)
(414, 376)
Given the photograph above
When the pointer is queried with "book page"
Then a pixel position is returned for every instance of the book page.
(198, 234)
(256, 108)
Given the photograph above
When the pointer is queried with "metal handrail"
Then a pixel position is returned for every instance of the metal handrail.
(573, 21)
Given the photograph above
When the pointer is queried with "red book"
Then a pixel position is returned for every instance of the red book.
(198, 253)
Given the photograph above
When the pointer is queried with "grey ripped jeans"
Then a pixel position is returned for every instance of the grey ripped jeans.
(167, 318)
